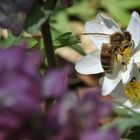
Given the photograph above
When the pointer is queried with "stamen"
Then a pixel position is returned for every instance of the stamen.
(132, 90)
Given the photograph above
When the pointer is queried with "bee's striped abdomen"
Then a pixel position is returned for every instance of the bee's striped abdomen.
(107, 58)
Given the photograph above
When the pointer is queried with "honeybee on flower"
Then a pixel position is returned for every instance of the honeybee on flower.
(116, 54)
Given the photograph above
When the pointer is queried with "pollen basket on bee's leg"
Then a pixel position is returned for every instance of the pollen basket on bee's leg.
(126, 54)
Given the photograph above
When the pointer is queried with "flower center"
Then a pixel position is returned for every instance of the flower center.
(132, 90)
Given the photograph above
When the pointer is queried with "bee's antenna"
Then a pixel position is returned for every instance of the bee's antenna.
(95, 34)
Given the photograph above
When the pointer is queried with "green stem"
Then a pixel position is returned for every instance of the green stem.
(47, 37)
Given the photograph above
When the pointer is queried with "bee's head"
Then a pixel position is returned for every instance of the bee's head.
(117, 37)
(128, 36)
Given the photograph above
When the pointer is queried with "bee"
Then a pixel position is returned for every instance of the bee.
(118, 49)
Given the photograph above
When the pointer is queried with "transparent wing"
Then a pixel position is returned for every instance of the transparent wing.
(96, 33)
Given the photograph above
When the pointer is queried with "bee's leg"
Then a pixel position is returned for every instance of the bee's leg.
(119, 58)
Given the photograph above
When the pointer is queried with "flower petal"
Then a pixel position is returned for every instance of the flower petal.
(90, 64)
(109, 82)
(94, 27)
(136, 108)
(127, 74)
(128, 103)
(109, 25)
(137, 56)
(102, 25)
(118, 92)
(134, 27)
(119, 96)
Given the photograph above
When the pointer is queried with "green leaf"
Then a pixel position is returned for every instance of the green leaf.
(77, 48)
(67, 39)
(84, 10)
(37, 16)
(129, 4)
(121, 112)
(60, 24)
(11, 40)
(122, 124)
(129, 111)
(31, 42)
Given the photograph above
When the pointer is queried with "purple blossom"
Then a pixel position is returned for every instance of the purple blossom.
(20, 86)
(111, 134)
(74, 118)
(13, 14)
(57, 125)
(55, 83)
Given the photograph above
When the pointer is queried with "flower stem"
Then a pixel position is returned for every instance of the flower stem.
(47, 37)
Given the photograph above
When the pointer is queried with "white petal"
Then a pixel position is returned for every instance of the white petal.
(119, 91)
(128, 104)
(94, 27)
(134, 27)
(127, 74)
(135, 72)
(109, 25)
(110, 82)
(90, 64)
(137, 57)
(136, 108)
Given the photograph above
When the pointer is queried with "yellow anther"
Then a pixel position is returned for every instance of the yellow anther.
(132, 90)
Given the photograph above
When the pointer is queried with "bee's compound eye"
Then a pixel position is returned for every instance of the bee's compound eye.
(127, 36)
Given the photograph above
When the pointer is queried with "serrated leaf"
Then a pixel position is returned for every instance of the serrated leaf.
(67, 39)
(37, 16)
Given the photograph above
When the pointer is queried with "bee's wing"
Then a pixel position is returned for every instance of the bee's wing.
(98, 36)
(90, 64)
(98, 39)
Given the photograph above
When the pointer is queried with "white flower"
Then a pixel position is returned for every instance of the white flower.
(128, 94)
(91, 64)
